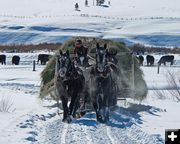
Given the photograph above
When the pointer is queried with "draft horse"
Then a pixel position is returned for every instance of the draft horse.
(101, 84)
(69, 82)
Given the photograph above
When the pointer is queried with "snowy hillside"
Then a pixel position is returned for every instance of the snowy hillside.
(120, 8)
(152, 22)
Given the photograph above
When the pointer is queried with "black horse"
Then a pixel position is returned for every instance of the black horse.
(101, 84)
(167, 58)
(111, 56)
(43, 58)
(82, 59)
(69, 84)
(15, 60)
(3, 59)
(150, 60)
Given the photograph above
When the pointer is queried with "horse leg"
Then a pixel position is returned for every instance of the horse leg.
(58, 106)
(98, 114)
(76, 106)
(106, 108)
(107, 101)
(72, 105)
(66, 118)
(83, 106)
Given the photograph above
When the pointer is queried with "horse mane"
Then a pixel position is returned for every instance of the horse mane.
(114, 67)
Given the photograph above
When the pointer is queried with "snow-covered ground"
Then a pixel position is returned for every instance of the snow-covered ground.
(152, 22)
(30, 120)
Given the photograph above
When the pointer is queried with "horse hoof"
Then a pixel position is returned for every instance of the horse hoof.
(70, 118)
(64, 120)
(99, 119)
(82, 113)
(67, 120)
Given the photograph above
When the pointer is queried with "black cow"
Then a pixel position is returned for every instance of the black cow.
(140, 59)
(15, 60)
(43, 58)
(167, 58)
(150, 60)
(3, 59)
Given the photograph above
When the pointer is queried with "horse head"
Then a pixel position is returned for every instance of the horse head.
(101, 58)
(64, 64)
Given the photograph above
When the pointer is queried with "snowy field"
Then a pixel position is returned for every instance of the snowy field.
(151, 22)
(31, 120)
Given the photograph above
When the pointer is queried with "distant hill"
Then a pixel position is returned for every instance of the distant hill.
(150, 22)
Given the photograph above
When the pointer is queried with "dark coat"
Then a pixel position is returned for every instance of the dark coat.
(3, 59)
(150, 60)
(141, 59)
(15, 60)
(167, 58)
(43, 58)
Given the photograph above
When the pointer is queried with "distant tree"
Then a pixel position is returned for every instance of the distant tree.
(86, 2)
(138, 48)
(100, 2)
(76, 6)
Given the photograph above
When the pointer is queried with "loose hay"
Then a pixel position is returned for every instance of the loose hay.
(124, 63)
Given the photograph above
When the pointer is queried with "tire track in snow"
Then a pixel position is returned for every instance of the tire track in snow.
(134, 135)
(64, 133)
(53, 133)
(109, 134)
(99, 134)
(77, 134)
(88, 131)
(89, 141)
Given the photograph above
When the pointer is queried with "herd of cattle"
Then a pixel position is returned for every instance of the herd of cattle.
(150, 60)
(43, 58)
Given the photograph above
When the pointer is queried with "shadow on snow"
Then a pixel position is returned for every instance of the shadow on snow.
(120, 117)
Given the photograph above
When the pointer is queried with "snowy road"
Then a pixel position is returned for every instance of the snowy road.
(120, 129)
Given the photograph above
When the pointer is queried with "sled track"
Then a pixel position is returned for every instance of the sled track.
(27, 88)
(88, 131)
(53, 133)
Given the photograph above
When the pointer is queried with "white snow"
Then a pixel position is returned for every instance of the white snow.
(150, 22)
(30, 120)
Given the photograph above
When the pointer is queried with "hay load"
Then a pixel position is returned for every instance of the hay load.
(130, 78)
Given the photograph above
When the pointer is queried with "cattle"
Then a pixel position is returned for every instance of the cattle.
(140, 59)
(43, 58)
(166, 58)
(15, 60)
(150, 60)
(3, 59)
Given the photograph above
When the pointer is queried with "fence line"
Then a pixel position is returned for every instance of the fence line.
(88, 15)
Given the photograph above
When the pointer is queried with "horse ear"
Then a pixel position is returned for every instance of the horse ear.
(97, 45)
(60, 52)
(107, 51)
(105, 46)
(67, 52)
